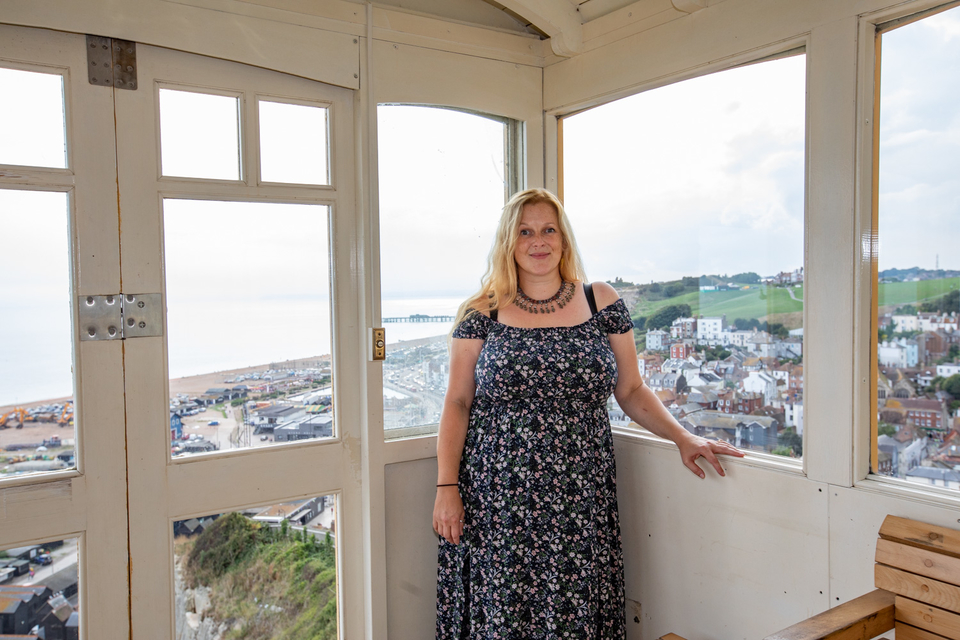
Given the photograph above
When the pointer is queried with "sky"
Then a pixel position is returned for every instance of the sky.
(699, 177)
(920, 144)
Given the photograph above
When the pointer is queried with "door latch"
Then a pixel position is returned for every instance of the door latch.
(379, 343)
(120, 316)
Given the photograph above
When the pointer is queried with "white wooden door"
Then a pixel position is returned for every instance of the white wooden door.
(237, 199)
(60, 231)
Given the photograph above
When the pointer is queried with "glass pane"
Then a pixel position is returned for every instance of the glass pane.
(258, 574)
(39, 588)
(36, 337)
(248, 323)
(32, 119)
(293, 143)
(918, 350)
(199, 135)
(461, 157)
(705, 245)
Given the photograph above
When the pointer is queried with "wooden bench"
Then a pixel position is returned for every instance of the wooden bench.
(918, 578)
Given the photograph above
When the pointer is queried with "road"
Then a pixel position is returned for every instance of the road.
(62, 558)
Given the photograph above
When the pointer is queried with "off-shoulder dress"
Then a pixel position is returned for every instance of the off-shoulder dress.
(540, 556)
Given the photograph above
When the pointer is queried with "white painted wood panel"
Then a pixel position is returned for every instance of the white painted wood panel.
(830, 252)
(318, 54)
(720, 558)
(411, 554)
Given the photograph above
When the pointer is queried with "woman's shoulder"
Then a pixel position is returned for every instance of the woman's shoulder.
(473, 326)
(612, 313)
(604, 294)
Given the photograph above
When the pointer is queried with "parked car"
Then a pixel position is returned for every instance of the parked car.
(213, 423)
(43, 559)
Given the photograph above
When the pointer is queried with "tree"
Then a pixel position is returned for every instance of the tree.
(786, 452)
(673, 290)
(906, 310)
(952, 385)
(639, 323)
(885, 429)
(681, 384)
(790, 439)
(944, 304)
(689, 281)
(665, 316)
(746, 278)
(655, 287)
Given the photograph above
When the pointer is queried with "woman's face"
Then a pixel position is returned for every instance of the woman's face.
(540, 243)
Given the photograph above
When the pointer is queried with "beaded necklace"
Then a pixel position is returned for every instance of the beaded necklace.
(563, 295)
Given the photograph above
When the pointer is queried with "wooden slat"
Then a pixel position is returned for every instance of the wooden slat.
(921, 534)
(907, 632)
(920, 561)
(860, 619)
(928, 618)
(909, 585)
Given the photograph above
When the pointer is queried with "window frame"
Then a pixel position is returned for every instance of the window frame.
(555, 176)
(866, 220)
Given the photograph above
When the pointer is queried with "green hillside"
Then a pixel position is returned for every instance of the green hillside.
(894, 294)
(267, 584)
(758, 301)
(775, 304)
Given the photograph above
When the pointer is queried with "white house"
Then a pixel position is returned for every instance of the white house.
(948, 369)
(709, 330)
(762, 344)
(763, 383)
(892, 354)
(656, 340)
(793, 415)
(735, 338)
(902, 323)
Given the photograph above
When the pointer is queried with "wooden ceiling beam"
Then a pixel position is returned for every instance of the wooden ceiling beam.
(559, 19)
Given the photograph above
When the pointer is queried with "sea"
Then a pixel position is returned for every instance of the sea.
(36, 358)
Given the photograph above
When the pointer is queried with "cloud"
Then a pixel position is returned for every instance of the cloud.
(704, 176)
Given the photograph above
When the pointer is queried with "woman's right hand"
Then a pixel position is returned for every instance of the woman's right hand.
(448, 514)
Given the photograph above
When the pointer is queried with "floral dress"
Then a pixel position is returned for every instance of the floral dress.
(540, 555)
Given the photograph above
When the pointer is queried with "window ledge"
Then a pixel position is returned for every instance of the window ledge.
(754, 459)
(896, 488)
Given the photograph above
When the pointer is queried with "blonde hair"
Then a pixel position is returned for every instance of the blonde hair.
(498, 287)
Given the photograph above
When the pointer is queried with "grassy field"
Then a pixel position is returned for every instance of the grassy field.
(895, 294)
(774, 304)
(757, 302)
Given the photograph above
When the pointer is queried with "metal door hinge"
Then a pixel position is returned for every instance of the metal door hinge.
(379, 343)
(120, 316)
(112, 62)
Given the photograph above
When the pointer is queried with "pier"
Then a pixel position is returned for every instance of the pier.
(419, 317)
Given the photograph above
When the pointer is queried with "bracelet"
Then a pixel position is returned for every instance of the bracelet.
(454, 484)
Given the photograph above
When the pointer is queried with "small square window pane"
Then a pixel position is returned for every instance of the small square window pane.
(32, 119)
(39, 585)
(293, 143)
(199, 135)
(262, 572)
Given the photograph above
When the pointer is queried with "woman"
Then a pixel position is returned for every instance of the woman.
(526, 492)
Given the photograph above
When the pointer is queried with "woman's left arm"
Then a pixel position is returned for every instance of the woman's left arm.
(643, 406)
